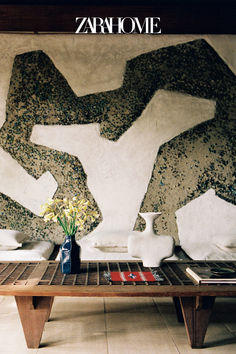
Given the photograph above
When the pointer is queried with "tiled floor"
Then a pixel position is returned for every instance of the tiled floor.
(117, 326)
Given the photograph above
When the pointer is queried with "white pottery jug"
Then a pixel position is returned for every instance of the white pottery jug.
(148, 246)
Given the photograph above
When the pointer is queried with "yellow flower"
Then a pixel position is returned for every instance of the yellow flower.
(67, 212)
(48, 217)
(50, 201)
(58, 200)
(71, 214)
(55, 218)
(46, 209)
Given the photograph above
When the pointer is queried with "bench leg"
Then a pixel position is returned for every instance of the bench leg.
(178, 309)
(50, 307)
(34, 311)
(196, 312)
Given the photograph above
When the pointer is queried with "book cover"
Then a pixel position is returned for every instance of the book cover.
(206, 275)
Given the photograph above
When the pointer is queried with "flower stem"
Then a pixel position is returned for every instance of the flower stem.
(62, 225)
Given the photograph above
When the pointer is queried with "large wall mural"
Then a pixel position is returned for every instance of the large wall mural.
(192, 142)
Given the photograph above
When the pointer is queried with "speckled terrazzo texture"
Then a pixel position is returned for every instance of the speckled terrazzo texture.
(185, 167)
(203, 157)
(38, 93)
(16, 217)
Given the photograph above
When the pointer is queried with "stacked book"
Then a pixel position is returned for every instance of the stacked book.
(207, 275)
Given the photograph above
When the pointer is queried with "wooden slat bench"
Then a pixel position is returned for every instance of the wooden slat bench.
(35, 284)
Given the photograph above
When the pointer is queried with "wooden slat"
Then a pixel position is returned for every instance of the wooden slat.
(17, 281)
(109, 270)
(118, 266)
(187, 279)
(140, 270)
(98, 274)
(171, 275)
(4, 268)
(63, 279)
(9, 274)
(57, 279)
(87, 274)
(75, 278)
(175, 275)
(37, 273)
(16, 274)
(165, 276)
(54, 273)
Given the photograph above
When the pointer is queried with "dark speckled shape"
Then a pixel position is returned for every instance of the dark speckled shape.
(16, 217)
(189, 165)
(186, 167)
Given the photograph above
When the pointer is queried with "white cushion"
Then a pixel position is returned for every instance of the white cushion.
(206, 223)
(11, 239)
(30, 251)
(226, 240)
(106, 239)
(201, 251)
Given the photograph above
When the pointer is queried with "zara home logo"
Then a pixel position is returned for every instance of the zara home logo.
(118, 25)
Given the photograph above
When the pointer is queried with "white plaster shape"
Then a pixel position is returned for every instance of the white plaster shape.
(16, 183)
(203, 222)
(118, 172)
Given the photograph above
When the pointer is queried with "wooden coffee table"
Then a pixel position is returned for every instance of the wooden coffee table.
(34, 285)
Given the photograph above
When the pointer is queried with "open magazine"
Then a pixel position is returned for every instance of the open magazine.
(206, 275)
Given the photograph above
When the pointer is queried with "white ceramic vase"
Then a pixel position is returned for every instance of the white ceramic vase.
(148, 246)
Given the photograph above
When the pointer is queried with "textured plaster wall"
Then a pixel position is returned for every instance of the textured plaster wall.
(118, 172)
(129, 131)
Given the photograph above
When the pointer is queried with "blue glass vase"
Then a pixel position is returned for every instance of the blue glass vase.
(70, 256)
